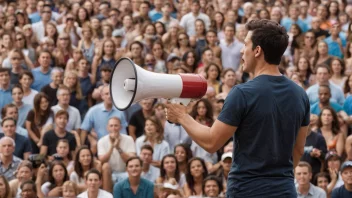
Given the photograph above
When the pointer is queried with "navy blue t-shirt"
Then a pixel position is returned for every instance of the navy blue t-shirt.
(268, 112)
(341, 192)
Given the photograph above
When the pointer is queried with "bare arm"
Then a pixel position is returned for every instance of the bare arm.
(31, 134)
(340, 144)
(298, 149)
(106, 157)
(132, 132)
(26, 155)
(43, 150)
(83, 135)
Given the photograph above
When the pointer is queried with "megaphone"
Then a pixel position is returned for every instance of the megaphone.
(131, 83)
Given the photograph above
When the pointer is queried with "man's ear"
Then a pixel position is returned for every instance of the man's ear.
(257, 51)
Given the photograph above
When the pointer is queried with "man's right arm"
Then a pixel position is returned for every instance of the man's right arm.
(298, 149)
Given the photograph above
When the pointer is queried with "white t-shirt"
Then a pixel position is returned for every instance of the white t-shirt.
(30, 98)
(116, 162)
(101, 194)
(74, 121)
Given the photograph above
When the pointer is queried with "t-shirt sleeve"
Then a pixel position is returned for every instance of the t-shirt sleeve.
(133, 120)
(27, 146)
(234, 108)
(130, 146)
(101, 148)
(30, 116)
(306, 117)
(46, 139)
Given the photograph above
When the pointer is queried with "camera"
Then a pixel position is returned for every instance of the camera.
(36, 160)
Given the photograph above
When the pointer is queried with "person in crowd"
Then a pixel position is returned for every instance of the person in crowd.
(26, 79)
(9, 162)
(69, 189)
(5, 87)
(115, 149)
(346, 189)
(149, 172)
(23, 148)
(169, 170)
(24, 173)
(28, 189)
(84, 161)
(11, 111)
(56, 177)
(5, 190)
(52, 137)
(303, 175)
(196, 173)
(94, 181)
(137, 122)
(39, 120)
(212, 187)
(42, 73)
(51, 89)
(134, 186)
(63, 96)
(23, 109)
(153, 136)
(183, 154)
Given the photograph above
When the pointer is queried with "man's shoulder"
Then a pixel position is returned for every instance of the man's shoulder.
(146, 182)
(125, 137)
(317, 190)
(83, 194)
(104, 140)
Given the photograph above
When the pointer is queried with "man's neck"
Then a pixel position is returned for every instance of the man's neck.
(134, 181)
(5, 86)
(146, 167)
(64, 106)
(294, 19)
(304, 189)
(324, 104)
(44, 69)
(93, 193)
(267, 69)
(195, 13)
(60, 131)
(348, 187)
(324, 83)
(303, 15)
(108, 106)
(229, 41)
(16, 70)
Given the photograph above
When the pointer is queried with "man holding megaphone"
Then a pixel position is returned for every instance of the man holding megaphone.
(268, 117)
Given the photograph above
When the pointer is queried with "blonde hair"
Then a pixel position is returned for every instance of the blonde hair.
(70, 184)
(77, 88)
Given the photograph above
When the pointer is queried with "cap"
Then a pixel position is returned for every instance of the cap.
(226, 155)
(172, 56)
(331, 154)
(171, 188)
(118, 32)
(345, 165)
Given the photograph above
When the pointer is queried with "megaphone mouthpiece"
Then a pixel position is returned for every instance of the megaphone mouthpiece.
(129, 84)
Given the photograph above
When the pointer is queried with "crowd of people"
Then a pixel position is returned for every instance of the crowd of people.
(61, 135)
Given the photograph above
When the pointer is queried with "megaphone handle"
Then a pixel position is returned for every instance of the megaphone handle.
(183, 101)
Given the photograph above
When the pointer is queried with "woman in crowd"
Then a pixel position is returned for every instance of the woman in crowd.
(183, 154)
(202, 112)
(228, 79)
(24, 173)
(106, 57)
(212, 74)
(26, 79)
(329, 127)
(212, 187)
(23, 109)
(63, 151)
(5, 190)
(57, 176)
(69, 190)
(71, 80)
(304, 70)
(153, 135)
(169, 170)
(196, 173)
(338, 77)
(39, 121)
(84, 161)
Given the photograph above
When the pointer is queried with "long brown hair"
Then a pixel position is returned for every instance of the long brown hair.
(7, 187)
(39, 115)
(159, 128)
(163, 174)
(335, 127)
(78, 166)
(51, 172)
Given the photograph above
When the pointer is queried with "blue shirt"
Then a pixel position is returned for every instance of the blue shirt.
(22, 114)
(341, 192)
(336, 94)
(97, 117)
(123, 189)
(347, 106)
(40, 79)
(5, 97)
(22, 145)
(287, 23)
(268, 112)
(315, 109)
(334, 47)
(155, 15)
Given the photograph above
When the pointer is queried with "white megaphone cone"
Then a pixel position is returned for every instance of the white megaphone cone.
(130, 83)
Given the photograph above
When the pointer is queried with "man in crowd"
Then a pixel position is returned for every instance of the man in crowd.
(23, 148)
(93, 182)
(346, 189)
(51, 137)
(8, 161)
(149, 172)
(303, 175)
(134, 186)
(115, 149)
